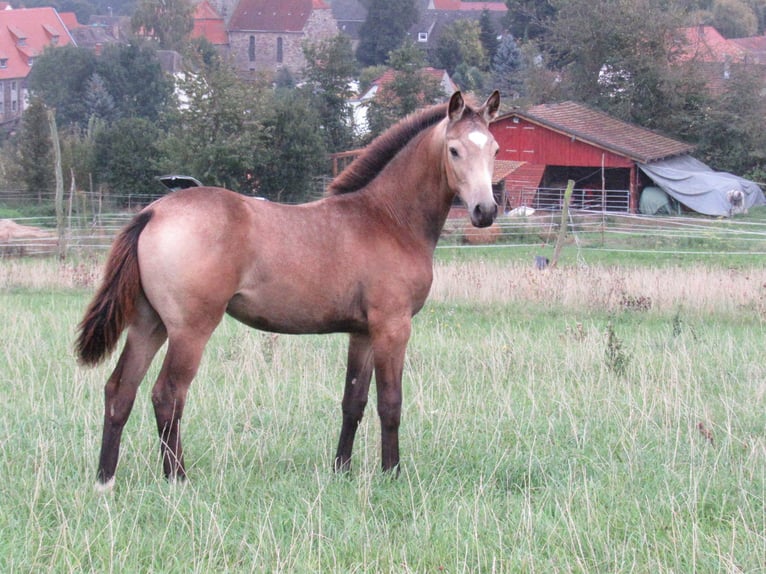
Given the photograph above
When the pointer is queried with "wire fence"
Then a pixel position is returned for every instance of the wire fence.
(90, 223)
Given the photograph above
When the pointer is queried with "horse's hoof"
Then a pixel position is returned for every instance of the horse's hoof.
(104, 487)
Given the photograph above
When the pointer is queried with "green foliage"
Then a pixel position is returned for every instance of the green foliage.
(125, 81)
(529, 19)
(126, 155)
(216, 134)
(734, 18)
(410, 89)
(167, 21)
(733, 135)
(64, 92)
(295, 153)
(134, 78)
(36, 151)
(460, 43)
(508, 68)
(329, 70)
(488, 35)
(384, 30)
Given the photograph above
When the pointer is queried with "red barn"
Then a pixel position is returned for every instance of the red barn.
(558, 142)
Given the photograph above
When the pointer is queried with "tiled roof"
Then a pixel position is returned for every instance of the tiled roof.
(70, 20)
(208, 24)
(705, 44)
(754, 48)
(24, 34)
(274, 15)
(599, 129)
(467, 6)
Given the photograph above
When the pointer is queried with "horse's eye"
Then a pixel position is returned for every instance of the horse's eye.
(453, 151)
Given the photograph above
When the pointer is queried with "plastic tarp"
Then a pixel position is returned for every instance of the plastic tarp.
(701, 189)
(654, 201)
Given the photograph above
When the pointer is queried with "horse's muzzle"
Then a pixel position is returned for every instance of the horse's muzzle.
(483, 214)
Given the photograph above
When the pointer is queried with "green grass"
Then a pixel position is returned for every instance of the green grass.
(532, 441)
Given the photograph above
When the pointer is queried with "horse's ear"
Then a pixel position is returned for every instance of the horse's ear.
(490, 107)
(456, 106)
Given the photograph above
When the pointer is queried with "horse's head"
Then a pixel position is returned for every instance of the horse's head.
(470, 154)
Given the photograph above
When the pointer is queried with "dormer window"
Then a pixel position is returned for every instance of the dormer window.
(3, 63)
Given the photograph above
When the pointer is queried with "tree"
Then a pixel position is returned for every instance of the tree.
(126, 155)
(460, 43)
(329, 70)
(64, 92)
(488, 35)
(168, 21)
(99, 102)
(732, 136)
(529, 19)
(215, 134)
(734, 18)
(384, 29)
(508, 68)
(295, 152)
(134, 78)
(410, 89)
(35, 151)
(609, 58)
(129, 75)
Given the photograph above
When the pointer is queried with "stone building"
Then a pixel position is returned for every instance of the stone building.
(267, 35)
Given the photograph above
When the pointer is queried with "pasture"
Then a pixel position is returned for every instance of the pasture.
(599, 419)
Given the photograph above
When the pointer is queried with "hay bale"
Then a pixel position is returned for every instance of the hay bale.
(481, 235)
(17, 239)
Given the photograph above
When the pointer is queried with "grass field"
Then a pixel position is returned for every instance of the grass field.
(593, 419)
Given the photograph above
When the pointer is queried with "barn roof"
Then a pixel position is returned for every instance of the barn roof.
(274, 15)
(601, 130)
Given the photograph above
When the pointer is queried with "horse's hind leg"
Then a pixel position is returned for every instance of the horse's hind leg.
(145, 336)
(358, 375)
(169, 394)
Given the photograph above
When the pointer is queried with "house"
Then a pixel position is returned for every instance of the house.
(99, 32)
(267, 35)
(350, 15)
(210, 25)
(24, 34)
(359, 104)
(435, 15)
(567, 140)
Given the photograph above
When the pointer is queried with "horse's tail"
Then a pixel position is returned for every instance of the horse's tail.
(113, 307)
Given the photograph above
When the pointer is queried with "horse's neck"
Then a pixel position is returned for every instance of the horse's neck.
(414, 191)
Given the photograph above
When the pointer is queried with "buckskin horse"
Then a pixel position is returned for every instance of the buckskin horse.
(359, 260)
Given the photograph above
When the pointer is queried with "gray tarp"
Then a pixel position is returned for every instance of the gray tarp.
(699, 188)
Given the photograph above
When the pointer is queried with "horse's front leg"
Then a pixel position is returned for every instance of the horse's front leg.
(389, 346)
(358, 375)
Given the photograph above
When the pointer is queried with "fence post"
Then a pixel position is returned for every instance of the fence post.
(60, 222)
(563, 227)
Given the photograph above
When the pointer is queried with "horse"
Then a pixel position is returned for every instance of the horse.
(359, 260)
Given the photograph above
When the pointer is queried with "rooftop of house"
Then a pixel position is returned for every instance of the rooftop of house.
(209, 24)
(24, 34)
(274, 15)
(467, 6)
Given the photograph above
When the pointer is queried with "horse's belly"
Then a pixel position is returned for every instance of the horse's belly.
(283, 314)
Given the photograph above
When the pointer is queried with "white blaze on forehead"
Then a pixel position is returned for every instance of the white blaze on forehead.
(478, 138)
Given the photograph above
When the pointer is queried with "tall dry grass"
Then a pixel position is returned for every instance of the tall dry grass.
(703, 289)
(700, 288)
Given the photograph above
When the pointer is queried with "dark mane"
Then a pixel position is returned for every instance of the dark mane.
(383, 149)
